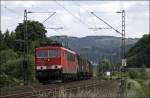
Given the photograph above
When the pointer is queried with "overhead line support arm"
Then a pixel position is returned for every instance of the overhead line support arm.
(106, 23)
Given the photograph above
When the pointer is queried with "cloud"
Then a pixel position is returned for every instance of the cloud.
(107, 7)
(78, 23)
(25, 4)
(6, 18)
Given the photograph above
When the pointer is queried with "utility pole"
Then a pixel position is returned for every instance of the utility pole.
(25, 61)
(123, 61)
(26, 49)
(122, 42)
(123, 84)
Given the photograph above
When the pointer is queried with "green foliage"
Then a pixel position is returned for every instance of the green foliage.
(6, 55)
(8, 81)
(35, 31)
(1, 40)
(139, 54)
(134, 89)
(138, 74)
(4, 40)
(11, 53)
(138, 84)
(36, 36)
(103, 66)
(8, 67)
(138, 88)
(12, 68)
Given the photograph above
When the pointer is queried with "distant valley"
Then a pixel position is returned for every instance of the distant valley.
(95, 48)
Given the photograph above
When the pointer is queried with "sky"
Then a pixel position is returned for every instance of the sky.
(74, 18)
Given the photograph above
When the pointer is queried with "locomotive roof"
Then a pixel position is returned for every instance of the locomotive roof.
(56, 47)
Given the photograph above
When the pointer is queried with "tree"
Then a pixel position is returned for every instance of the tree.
(103, 66)
(35, 31)
(139, 54)
(5, 56)
(12, 70)
(11, 55)
(7, 39)
(1, 40)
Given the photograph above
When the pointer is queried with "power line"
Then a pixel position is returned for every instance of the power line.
(84, 9)
(49, 17)
(41, 12)
(11, 10)
(58, 28)
(74, 16)
(44, 12)
(99, 28)
(106, 23)
(71, 13)
(96, 28)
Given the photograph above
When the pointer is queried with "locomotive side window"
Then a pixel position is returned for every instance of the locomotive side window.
(54, 53)
(42, 54)
(70, 57)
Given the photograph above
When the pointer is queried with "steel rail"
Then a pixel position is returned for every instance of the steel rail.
(56, 88)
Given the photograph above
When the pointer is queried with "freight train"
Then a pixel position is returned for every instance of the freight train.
(55, 62)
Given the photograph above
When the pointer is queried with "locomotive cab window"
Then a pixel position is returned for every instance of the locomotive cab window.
(42, 54)
(54, 53)
(70, 57)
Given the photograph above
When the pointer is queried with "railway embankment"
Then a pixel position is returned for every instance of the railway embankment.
(91, 88)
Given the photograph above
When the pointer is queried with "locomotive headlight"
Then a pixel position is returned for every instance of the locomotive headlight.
(52, 67)
(59, 66)
(41, 67)
(56, 66)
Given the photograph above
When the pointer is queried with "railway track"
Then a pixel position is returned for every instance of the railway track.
(38, 91)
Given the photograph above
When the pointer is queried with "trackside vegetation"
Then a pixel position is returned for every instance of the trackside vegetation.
(11, 53)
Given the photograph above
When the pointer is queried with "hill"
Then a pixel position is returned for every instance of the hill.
(139, 54)
(96, 47)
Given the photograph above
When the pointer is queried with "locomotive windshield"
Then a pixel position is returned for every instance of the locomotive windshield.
(48, 53)
(54, 53)
(42, 54)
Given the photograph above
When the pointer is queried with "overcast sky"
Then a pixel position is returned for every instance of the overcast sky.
(75, 17)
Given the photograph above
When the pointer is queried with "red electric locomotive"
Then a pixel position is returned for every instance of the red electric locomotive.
(56, 62)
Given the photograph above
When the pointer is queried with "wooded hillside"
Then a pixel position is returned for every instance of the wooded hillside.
(139, 54)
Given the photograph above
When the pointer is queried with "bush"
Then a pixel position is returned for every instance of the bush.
(138, 88)
(12, 69)
(138, 74)
(103, 66)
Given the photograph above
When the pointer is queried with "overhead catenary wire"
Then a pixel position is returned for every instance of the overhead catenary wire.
(74, 16)
(11, 10)
(58, 28)
(96, 28)
(49, 17)
(14, 12)
(83, 8)
(106, 23)
(71, 14)
(44, 12)
(92, 28)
